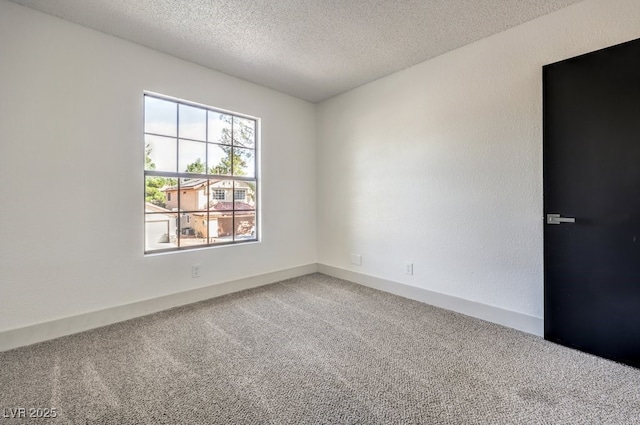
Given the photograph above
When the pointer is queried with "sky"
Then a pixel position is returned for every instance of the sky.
(205, 128)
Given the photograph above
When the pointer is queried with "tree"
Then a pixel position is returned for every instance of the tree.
(225, 167)
(196, 167)
(154, 194)
(243, 134)
(148, 162)
(153, 185)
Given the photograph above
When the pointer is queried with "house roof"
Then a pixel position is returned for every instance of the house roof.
(198, 183)
(228, 206)
(188, 184)
(149, 207)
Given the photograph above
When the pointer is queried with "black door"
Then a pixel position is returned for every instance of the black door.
(592, 174)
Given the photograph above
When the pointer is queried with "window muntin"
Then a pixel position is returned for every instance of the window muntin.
(200, 176)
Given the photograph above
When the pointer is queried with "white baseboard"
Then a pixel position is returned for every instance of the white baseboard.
(69, 325)
(523, 322)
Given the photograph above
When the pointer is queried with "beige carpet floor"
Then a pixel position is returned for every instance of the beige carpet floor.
(314, 350)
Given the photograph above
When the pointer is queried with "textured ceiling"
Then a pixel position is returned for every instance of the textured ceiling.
(311, 49)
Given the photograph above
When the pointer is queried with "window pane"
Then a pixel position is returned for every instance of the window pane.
(193, 229)
(220, 227)
(245, 225)
(244, 162)
(192, 157)
(160, 116)
(244, 131)
(219, 128)
(220, 195)
(244, 195)
(159, 229)
(193, 122)
(170, 191)
(160, 153)
(154, 191)
(219, 159)
(193, 195)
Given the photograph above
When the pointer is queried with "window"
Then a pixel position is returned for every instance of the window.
(200, 176)
(218, 194)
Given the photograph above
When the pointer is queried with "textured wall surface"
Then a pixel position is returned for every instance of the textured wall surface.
(441, 164)
(71, 156)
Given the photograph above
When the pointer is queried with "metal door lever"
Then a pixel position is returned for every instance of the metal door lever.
(556, 219)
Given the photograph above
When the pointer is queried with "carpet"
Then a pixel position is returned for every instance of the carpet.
(312, 350)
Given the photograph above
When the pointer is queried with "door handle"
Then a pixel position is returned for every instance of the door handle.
(556, 219)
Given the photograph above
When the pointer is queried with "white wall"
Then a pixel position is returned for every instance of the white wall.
(441, 164)
(71, 185)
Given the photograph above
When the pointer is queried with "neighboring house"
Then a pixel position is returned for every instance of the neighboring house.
(160, 227)
(206, 207)
(220, 222)
(196, 194)
(193, 195)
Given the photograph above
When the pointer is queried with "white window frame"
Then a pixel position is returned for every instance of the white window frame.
(231, 177)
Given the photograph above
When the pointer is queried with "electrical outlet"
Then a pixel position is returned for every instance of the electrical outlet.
(408, 268)
(195, 270)
(356, 259)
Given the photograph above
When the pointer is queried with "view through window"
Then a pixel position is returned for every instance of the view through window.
(200, 176)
